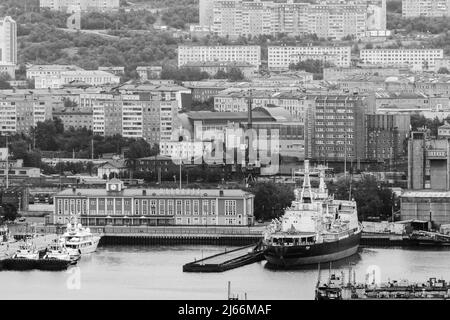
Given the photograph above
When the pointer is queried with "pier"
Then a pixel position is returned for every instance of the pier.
(227, 260)
(167, 235)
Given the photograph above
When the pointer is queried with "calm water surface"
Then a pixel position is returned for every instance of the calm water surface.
(123, 272)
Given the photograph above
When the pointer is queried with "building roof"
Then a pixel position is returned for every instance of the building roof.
(54, 67)
(198, 64)
(113, 164)
(426, 194)
(227, 116)
(158, 158)
(151, 87)
(136, 192)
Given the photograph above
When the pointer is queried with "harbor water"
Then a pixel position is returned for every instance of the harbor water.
(155, 272)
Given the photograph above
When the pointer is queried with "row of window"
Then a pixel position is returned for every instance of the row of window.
(144, 207)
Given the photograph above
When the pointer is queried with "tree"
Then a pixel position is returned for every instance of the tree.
(271, 199)
(373, 198)
(312, 66)
(419, 121)
(443, 70)
(9, 212)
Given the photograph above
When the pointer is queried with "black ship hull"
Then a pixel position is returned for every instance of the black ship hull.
(31, 264)
(291, 256)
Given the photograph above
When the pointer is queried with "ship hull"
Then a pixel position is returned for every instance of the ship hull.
(291, 256)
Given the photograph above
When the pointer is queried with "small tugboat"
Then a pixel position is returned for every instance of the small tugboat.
(57, 257)
(25, 258)
(79, 240)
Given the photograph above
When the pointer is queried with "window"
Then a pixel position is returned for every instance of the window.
(196, 205)
(110, 206)
(170, 207)
(60, 204)
(179, 207)
(187, 207)
(205, 205)
(118, 206)
(213, 207)
(230, 207)
(136, 207)
(153, 207)
(66, 206)
(144, 207)
(162, 207)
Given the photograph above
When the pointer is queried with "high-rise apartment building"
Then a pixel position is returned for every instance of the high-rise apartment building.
(206, 12)
(8, 41)
(425, 8)
(328, 19)
(335, 128)
(135, 117)
(19, 114)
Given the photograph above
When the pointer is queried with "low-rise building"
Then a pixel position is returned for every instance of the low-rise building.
(118, 71)
(280, 57)
(112, 169)
(43, 70)
(117, 205)
(87, 77)
(149, 72)
(75, 118)
(417, 59)
(212, 67)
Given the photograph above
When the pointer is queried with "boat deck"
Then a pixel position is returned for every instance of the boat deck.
(227, 260)
(40, 242)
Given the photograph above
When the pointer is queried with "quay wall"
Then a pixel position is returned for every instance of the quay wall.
(136, 235)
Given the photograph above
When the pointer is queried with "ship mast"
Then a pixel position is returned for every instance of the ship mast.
(306, 185)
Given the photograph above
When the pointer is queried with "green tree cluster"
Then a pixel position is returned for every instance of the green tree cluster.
(271, 199)
(373, 197)
(312, 66)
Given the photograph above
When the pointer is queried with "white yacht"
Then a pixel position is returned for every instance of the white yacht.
(79, 240)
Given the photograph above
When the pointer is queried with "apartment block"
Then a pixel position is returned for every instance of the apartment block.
(135, 117)
(75, 118)
(335, 128)
(70, 6)
(417, 59)
(195, 54)
(280, 57)
(8, 41)
(425, 8)
(19, 114)
(328, 19)
(385, 136)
